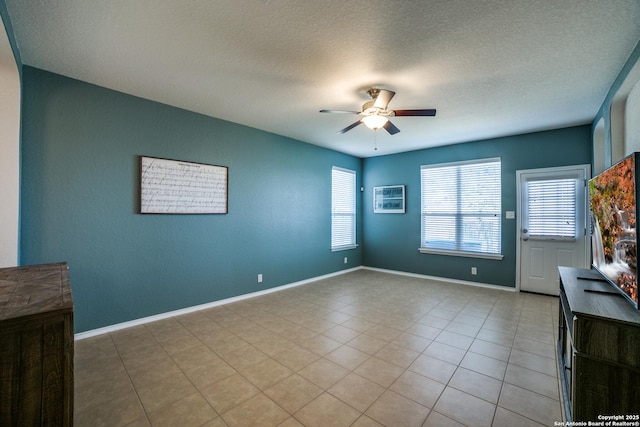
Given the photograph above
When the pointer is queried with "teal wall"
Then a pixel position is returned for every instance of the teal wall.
(605, 109)
(80, 148)
(391, 241)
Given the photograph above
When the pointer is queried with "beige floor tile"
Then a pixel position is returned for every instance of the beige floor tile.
(445, 352)
(433, 368)
(535, 347)
(209, 372)
(194, 357)
(444, 313)
(471, 316)
(290, 422)
(89, 393)
(412, 342)
(327, 410)
(223, 346)
(365, 421)
(342, 334)
(424, 331)
(418, 388)
(484, 365)
(273, 345)
(504, 417)
(266, 373)
(436, 419)
(402, 321)
(259, 411)
(476, 384)
(495, 351)
(293, 393)
(367, 343)
(244, 357)
(180, 344)
(529, 404)
(454, 339)
(191, 410)
(347, 357)
(399, 356)
(229, 392)
(498, 337)
(466, 329)
(358, 324)
(379, 371)
(296, 358)
(165, 391)
(546, 365)
(507, 325)
(336, 316)
(155, 370)
(321, 344)
(385, 333)
(120, 410)
(533, 381)
(356, 391)
(393, 409)
(433, 321)
(474, 411)
(323, 373)
(534, 334)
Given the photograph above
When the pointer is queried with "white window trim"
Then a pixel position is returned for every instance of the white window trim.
(460, 253)
(355, 213)
(495, 256)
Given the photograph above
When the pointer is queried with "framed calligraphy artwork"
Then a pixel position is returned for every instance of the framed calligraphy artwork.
(178, 187)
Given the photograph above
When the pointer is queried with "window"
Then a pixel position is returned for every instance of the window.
(551, 208)
(461, 208)
(343, 209)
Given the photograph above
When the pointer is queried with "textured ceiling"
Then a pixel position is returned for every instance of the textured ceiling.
(491, 68)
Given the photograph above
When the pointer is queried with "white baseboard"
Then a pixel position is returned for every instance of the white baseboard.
(442, 279)
(156, 317)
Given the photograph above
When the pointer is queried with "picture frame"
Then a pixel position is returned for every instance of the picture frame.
(389, 199)
(181, 187)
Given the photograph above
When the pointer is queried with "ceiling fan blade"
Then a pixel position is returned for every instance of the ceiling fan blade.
(400, 113)
(391, 128)
(351, 126)
(340, 111)
(383, 98)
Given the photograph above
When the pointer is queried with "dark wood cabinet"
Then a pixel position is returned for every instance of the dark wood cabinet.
(36, 346)
(598, 348)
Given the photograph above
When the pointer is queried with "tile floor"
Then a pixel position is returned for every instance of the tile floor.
(362, 349)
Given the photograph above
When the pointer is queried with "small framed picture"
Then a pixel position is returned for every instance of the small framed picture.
(388, 199)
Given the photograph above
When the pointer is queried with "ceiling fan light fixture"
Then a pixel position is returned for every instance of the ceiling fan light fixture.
(374, 121)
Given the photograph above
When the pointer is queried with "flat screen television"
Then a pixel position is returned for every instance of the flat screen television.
(613, 197)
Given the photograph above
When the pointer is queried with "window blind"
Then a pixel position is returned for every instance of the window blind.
(343, 208)
(461, 207)
(551, 208)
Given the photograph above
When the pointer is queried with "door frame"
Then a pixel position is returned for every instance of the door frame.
(550, 172)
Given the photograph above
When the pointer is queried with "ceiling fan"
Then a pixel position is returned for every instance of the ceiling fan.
(375, 113)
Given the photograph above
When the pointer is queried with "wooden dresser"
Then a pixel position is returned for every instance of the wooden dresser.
(598, 348)
(36, 346)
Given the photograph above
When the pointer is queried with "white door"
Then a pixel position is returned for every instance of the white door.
(552, 226)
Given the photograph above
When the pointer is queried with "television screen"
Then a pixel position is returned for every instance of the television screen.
(612, 199)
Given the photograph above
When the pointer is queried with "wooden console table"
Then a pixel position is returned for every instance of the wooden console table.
(36, 346)
(598, 348)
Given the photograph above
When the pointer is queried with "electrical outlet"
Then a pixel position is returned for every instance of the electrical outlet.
(260, 278)
(474, 270)
(346, 260)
